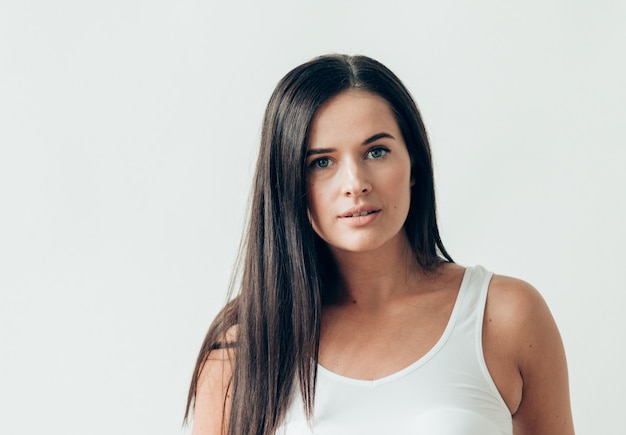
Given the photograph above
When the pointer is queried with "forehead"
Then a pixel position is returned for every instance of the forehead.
(352, 115)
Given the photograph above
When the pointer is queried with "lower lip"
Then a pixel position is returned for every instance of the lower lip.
(359, 221)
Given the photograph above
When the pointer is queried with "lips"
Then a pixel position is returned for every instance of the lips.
(359, 212)
(363, 213)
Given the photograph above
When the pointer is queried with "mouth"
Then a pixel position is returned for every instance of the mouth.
(360, 211)
(358, 217)
(363, 213)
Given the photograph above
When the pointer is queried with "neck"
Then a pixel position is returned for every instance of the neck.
(371, 278)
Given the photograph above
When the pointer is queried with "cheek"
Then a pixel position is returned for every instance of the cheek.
(313, 207)
(397, 177)
(398, 186)
(319, 210)
(317, 191)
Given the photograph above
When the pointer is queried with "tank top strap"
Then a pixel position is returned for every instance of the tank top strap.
(472, 298)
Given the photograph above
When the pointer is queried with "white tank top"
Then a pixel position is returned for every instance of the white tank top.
(448, 391)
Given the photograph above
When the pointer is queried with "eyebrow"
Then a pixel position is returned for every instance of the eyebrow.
(376, 137)
(367, 141)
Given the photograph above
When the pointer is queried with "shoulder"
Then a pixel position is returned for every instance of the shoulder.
(515, 299)
(520, 317)
(519, 322)
(222, 354)
(509, 289)
(219, 362)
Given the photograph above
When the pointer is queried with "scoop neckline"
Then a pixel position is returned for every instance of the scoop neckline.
(420, 361)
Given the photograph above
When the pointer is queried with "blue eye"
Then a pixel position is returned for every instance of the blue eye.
(377, 153)
(321, 163)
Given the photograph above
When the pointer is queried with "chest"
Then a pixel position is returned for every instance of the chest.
(446, 391)
(369, 345)
(366, 346)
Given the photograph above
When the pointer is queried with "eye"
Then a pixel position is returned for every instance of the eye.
(377, 153)
(321, 163)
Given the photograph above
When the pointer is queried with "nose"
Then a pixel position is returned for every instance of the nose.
(355, 180)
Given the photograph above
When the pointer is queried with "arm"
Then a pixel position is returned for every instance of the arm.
(545, 406)
(537, 354)
(212, 402)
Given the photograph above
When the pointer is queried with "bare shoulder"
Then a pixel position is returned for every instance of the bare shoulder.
(516, 300)
(212, 402)
(522, 318)
(519, 323)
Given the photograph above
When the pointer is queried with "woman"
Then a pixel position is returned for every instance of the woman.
(351, 317)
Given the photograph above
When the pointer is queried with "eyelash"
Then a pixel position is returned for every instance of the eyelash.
(315, 163)
(383, 149)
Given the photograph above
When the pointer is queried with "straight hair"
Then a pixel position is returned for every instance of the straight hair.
(286, 269)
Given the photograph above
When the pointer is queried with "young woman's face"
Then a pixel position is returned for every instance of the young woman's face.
(358, 173)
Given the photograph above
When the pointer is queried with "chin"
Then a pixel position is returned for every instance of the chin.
(360, 246)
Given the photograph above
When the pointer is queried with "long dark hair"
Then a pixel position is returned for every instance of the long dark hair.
(285, 268)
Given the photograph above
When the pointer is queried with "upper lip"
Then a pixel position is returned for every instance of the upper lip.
(359, 209)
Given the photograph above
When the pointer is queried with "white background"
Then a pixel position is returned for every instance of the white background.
(128, 132)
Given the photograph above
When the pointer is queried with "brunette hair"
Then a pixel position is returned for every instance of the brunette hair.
(285, 267)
